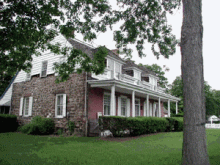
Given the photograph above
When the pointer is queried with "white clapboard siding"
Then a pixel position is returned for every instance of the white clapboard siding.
(36, 66)
(48, 56)
(7, 96)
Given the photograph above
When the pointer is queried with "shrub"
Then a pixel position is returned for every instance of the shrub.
(39, 126)
(8, 123)
(170, 126)
(71, 126)
(175, 124)
(136, 125)
(178, 124)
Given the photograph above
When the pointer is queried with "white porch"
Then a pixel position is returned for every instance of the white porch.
(133, 95)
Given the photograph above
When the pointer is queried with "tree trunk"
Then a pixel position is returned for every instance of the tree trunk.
(194, 133)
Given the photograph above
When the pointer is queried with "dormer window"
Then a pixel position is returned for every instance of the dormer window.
(130, 72)
(44, 69)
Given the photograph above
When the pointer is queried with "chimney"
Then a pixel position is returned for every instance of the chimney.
(115, 51)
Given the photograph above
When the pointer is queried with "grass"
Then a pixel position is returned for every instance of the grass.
(164, 148)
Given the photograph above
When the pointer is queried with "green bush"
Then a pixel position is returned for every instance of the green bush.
(8, 123)
(71, 126)
(136, 125)
(39, 126)
(175, 124)
(178, 125)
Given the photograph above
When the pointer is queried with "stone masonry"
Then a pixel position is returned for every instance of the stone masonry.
(44, 90)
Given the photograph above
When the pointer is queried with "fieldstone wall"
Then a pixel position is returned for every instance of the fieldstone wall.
(44, 90)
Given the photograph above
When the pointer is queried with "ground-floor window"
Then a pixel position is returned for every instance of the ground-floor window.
(60, 110)
(123, 107)
(107, 103)
(137, 107)
(26, 106)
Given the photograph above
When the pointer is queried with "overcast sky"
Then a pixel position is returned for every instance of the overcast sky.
(211, 37)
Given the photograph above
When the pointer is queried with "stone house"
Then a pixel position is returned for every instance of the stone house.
(124, 89)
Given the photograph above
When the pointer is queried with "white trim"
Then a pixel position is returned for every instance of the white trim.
(159, 108)
(133, 104)
(42, 68)
(99, 83)
(21, 106)
(168, 107)
(64, 106)
(119, 106)
(30, 106)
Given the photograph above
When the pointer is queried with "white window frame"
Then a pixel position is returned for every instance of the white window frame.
(42, 69)
(26, 108)
(64, 106)
(108, 94)
(139, 107)
(28, 76)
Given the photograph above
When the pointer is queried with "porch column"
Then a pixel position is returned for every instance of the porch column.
(133, 104)
(112, 113)
(169, 108)
(159, 108)
(176, 107)
(147, 108)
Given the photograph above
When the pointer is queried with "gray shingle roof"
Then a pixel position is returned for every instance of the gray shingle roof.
(89, 50)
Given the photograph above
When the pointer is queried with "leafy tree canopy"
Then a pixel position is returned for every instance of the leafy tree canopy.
(212, 97)
(24, 28)
(163, 82)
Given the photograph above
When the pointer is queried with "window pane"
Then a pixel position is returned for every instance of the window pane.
(26, 105)
(107, 103)
(123, 106)
(59, 110)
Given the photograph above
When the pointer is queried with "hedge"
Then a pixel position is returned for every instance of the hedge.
(39, 126)
(8, 123)
(136, 125)
(175, 124)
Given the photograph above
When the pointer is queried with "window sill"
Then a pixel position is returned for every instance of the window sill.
(59, 117)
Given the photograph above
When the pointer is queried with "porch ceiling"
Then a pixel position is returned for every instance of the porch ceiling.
(126, 88)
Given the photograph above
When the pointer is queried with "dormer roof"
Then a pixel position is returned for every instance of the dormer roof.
(130, 65)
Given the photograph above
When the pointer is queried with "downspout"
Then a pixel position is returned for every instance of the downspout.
(85, 106)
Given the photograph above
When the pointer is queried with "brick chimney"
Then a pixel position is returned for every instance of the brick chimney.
(115, 51)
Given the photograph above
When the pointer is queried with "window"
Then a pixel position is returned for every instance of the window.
(60, 106)
(137, 107)
(26, 106)
(44, 69)
(107, 103)
(28, 76)
(123, 106)
(117, 70)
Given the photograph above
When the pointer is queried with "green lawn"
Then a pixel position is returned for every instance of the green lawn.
(164, 148)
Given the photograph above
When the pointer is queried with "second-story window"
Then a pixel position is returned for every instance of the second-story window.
(117, 70)
(44, 69)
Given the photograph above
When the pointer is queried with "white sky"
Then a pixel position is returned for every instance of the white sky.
(211, 36)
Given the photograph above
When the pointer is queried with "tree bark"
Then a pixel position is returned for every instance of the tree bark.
(194, 133)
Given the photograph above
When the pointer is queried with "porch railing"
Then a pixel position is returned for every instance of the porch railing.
(108, 74)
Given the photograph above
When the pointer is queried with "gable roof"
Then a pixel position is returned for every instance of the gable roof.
(89, 49)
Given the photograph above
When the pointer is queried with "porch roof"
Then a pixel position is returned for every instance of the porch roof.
(127, 88)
